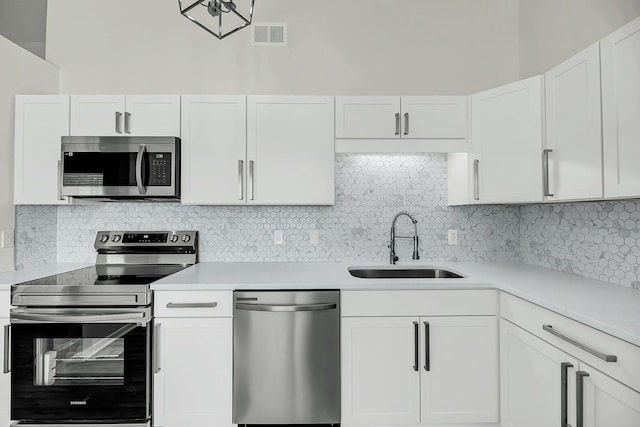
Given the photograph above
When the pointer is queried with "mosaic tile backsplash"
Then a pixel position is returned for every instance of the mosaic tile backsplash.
(370, 190)
(599, 240)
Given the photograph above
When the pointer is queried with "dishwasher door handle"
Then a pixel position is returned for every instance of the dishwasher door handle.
(286, 307)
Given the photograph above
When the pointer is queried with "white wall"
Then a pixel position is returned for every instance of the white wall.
(335, 47)
(554, 30)
(24, 23)
(22, 73)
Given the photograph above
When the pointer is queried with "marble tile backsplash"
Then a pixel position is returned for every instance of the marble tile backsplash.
(599, 240)
(36, 234)
(370, 190)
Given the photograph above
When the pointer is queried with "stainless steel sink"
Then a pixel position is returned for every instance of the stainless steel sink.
(402, 273)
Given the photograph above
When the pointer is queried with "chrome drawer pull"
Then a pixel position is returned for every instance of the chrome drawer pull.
(596, 353)
(192, 305)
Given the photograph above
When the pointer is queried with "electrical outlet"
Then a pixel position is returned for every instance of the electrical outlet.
(6, 239)
(278, 237)
(314, 237)
(453, 237)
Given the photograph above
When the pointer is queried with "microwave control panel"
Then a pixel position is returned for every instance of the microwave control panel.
(159, 169)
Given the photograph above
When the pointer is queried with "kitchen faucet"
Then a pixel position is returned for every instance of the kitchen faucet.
(392, 244)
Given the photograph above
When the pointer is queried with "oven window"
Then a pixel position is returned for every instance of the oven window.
(80, 361)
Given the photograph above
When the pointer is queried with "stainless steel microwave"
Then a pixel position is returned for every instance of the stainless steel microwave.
(120, 167)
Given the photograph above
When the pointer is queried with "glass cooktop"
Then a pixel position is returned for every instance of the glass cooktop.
(109, 275)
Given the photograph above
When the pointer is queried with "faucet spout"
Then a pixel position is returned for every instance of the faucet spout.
(392, 242)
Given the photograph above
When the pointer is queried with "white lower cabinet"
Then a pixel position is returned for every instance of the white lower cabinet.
(419, 370)
(193, 372)
(606, 402)
(380, 376)
(532, 374)
(459, 369)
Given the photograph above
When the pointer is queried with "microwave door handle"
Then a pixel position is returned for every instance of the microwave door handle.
(139, 178)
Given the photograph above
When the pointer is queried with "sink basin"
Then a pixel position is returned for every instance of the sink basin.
(402, 273)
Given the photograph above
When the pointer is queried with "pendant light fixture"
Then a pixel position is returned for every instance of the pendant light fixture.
(219, 18)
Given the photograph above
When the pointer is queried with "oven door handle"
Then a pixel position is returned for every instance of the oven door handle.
(79, 318)
(139, 178)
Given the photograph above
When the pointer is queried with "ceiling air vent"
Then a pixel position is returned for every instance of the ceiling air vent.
(269, 34)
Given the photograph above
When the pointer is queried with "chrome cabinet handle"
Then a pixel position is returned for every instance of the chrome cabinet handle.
(427, 347)
(406, 123)
(139, 179)
(286, 307)
(7, 349)
(240, 179)
(60, 179)
(545, 172)
(251, 179)
(476, 180)
(397, 124)
(596, 353)
(156, 348)
(192, 305)
(127, 122)
(580, 397)
(564, 368)
(118, 117)
(416, 355)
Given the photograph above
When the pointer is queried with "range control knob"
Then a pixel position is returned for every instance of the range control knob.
(186, 238)
(104, 238)
(174, 238)
(116, 238)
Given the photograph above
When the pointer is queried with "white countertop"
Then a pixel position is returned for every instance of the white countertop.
(610, 308)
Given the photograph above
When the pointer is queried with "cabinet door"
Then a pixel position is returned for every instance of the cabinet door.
(573, 127)
(607, 402)
(459, 369)
(620, 111)
(290, 150)
(380, 376)
(531, 380)
(506, 132)
(41, 121)
(5, 380)
(193, 379)
(213, 149)
(97, 115)
(434, 117)
(368, 117)
(152, 115)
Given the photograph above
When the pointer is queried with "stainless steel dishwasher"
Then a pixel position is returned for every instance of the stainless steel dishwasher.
(286, 354)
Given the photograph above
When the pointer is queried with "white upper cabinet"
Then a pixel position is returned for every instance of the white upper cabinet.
(621, 111)
(119, 115)
(368, 117)
(401, 124)
(214, 149)
(572, 159)
(434, 117)
(290, 150)
(506, 129)
(40, 122)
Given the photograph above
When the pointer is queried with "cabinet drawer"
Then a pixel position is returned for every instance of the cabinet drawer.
(193, 303)
(419, 303)
(532, 318)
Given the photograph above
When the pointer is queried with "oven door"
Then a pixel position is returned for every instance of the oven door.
(120, 167)
(89, 368)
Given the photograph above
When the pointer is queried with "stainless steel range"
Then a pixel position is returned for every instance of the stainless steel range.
(80, 342)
